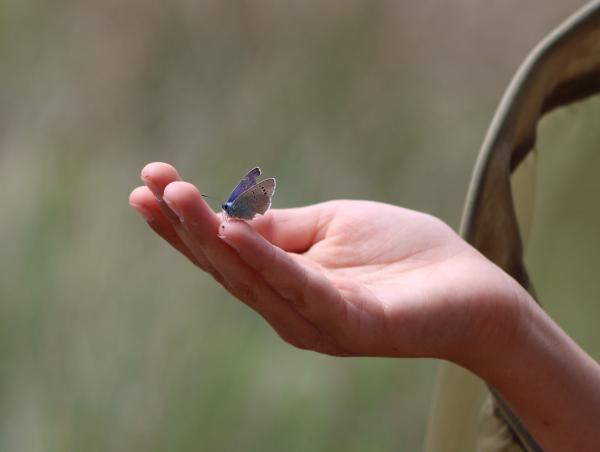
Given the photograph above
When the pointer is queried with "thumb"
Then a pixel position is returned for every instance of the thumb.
(295, 229)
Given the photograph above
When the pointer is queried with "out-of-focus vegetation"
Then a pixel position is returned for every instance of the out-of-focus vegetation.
(110, 341)
(564, 242)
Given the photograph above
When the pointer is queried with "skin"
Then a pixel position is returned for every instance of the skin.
(360, 278)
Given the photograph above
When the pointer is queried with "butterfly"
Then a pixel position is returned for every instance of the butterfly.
(249, 198)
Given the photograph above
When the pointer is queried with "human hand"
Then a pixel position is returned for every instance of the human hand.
(353, 278)
(343, 277)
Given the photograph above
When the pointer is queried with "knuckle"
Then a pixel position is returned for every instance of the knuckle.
(328, 345)
(292, 340)
(246, 293)
(269, 261)
(217, 276)
(294, 295)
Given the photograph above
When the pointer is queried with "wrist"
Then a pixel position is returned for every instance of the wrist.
(544, 376)
(500, 324)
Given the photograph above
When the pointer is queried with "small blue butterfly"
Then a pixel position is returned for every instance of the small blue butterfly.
(249, 198)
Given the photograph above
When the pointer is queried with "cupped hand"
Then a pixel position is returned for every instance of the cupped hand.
(342, 277)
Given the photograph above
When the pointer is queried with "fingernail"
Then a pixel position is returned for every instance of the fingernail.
(173, 208)
(144, 211)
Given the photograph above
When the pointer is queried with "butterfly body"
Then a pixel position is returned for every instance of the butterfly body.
(249, 198)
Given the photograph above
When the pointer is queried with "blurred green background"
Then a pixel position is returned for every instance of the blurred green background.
(110, 341)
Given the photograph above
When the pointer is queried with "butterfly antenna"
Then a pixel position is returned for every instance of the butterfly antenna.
(214, 199)
(211, 197)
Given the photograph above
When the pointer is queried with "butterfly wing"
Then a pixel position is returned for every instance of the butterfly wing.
(248, 181)
(256, 199)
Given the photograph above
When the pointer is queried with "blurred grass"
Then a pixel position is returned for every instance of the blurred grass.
(562, 254)
(108, 339)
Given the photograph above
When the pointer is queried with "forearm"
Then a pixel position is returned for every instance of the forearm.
(549, 381)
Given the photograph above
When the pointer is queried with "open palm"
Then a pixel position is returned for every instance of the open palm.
(341, 277)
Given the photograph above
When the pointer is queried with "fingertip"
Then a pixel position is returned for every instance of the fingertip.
(181, 192)
(157, 175)
(141, 199)
(138, 194)
(159, 169)
(235, 229)
(184, 199)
